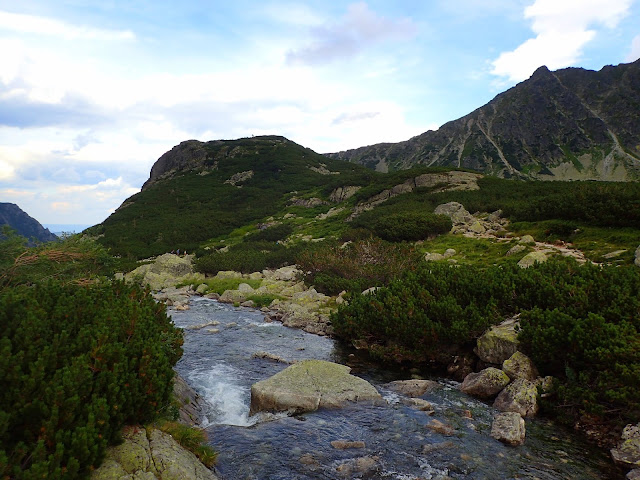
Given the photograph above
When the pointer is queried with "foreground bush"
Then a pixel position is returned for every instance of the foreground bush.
(411, 226)
(76, 364)
(580, 324)
(247, 258)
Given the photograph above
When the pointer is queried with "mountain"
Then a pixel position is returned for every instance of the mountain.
(16, 218)
(565, 125)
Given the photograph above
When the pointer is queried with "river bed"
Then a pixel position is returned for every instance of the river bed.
(219, 362)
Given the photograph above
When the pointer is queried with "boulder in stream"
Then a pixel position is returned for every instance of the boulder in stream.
(509, 428)
(413, 388)
(520, 396)
(486, 383)
(308, 385)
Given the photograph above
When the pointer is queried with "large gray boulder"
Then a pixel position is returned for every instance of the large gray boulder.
(166, 271)
(637, 256)
(509, 428)
(520, 396)
(455, 211)
(627, 453)
(486, 383)
(309, 385)
(499, 342)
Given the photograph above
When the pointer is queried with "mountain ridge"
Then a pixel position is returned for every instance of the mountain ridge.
(571, 124)
(27, 226)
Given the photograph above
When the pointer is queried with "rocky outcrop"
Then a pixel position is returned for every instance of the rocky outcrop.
(165, 271)
(239, 177)
(499, 342)
(309, 385)
(438, 182)
(520, 396)
(486, 383)
(192, 406)
(509, 428)
(149, 454)
(475, 225)
(341, 194)
(627, 453)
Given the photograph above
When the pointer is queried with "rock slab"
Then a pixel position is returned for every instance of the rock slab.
(309, 385)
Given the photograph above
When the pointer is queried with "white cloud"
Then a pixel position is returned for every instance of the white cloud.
(357, 30)
(31, 24)
(634, 53)
(562, 29)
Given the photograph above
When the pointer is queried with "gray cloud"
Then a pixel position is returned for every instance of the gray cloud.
(358, 29)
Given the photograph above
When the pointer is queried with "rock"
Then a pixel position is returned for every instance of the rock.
(309, 385)
(515, 250)
(545, 384)
(433, 257)
(270, 356)
(495, 216)
(150, 455)
(345, 444)
(520, 396)
(627, 453)
(420, 404)
(308, 459)
(341, 194)
(520, 366)
(499, 342)
(306, 202)
(434, 447)
(449, 252)
(527, 240)
(613, 254)
(233, 296)
(441, 428)
(413, 388)
(192, 406)
(370, 290)
(455, 211)
(486, 383)
(166, 271)
(477, 228)
(532, 258)
(246, 289)
(636, 260)
(202, 289)
(357, 466)
(509, 428)
(240, 177)
(226, 274)
(633, 474)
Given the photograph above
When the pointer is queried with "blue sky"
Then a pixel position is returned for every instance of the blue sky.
(93, 92)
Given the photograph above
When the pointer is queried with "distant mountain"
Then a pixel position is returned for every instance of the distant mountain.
(16, 218)
(565, 125)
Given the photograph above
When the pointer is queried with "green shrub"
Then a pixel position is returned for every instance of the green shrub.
(76, 364)
(271, 234)
(411, 226)
(356, 266)
(247, 258)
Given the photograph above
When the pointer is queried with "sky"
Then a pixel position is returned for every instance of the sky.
(92, 92)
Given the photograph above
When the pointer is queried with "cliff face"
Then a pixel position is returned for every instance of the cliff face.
(568, 124)
(16, 218)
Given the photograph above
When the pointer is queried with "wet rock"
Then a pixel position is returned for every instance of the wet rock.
(419, 404)
(627, 453)
(413, 388)
(192, 405)
(520, 366)
(309, 385)
(345, 444)
(532, 258)
(520, 396)
(442, 428)
(308, 459)
(486, 383)
(509, 428)
(361, 465)
(270, 356)
(499, 342)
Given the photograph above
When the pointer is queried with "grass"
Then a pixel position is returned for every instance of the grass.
(473, 251)
(192, 438)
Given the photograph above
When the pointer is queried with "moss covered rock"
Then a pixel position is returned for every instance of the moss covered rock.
(509, 428)
(532, 258)
(520, 366)
(498, 343)
(309, 385)
(521, 397)
(486, 383)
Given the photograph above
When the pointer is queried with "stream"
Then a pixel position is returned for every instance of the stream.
(219, 363)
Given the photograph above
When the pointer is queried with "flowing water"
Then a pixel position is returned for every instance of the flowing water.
(219, 363)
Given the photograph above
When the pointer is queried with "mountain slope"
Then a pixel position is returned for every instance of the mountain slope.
(16, 218)
(568, 124)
